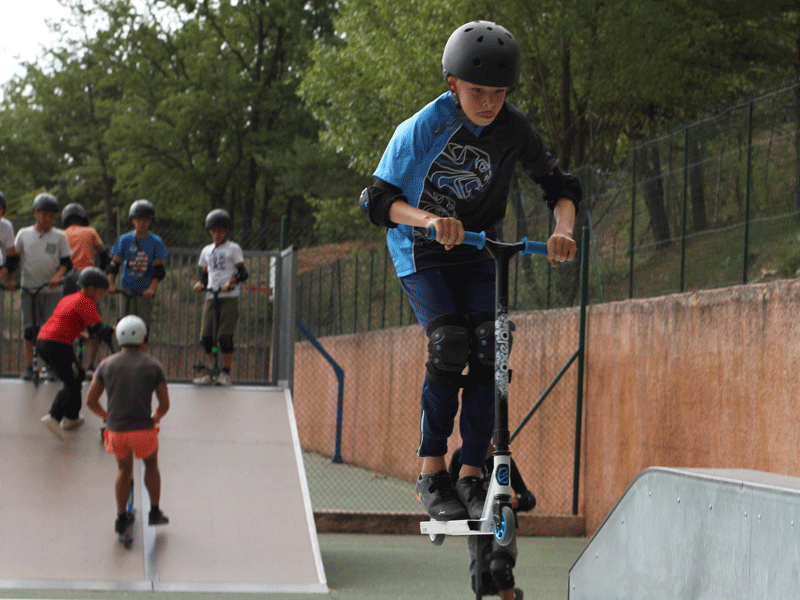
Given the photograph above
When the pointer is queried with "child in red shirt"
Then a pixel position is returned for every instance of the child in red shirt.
(73, 314)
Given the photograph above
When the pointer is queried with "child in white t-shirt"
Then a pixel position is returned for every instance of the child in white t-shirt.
(220, 268)
(45, 257)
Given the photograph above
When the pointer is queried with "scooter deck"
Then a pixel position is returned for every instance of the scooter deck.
(460, 527)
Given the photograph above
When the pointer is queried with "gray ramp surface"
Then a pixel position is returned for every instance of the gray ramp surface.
(233, 486)
(680, 534)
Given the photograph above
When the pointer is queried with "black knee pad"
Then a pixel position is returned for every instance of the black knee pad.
(29, 334)
(502, 570)
(208, 344)
(481, 364)
(226, 344)
(448, 350)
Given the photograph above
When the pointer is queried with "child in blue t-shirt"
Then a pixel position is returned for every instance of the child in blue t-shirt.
(142, 253)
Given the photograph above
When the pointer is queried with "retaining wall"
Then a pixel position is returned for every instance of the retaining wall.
(703, 379)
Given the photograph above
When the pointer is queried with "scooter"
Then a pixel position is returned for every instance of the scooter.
(200, 367)
(498, 517)
(33, 293)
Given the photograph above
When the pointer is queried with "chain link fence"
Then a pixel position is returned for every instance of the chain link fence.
(709, 205)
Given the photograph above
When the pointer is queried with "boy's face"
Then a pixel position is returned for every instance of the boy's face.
(44, 219)
(218, 234)
(94, 294)
(479, 102)
(141, 223)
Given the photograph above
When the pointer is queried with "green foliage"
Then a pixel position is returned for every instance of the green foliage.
(282, 108)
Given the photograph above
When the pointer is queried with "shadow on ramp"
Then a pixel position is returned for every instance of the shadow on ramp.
(680, 534)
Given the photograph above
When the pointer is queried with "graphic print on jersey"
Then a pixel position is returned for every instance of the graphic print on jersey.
(138, 264)
(460, 172)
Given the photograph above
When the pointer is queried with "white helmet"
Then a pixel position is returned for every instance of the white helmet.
(131, 331)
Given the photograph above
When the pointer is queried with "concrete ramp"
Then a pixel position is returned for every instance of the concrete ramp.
(680, 534)
(233, 486)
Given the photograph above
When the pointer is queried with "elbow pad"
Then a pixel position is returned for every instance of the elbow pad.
(104, 259)
(202, 276)
(559, 184)
(241, 274)
(375, 203)
(12, 262)
(113, 268)
(66, 262)
(160, 273)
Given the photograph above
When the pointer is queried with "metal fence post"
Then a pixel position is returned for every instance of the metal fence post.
(748, 176)
(633, 221)
(685, 203)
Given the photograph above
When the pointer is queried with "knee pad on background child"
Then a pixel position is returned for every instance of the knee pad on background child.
(502, 570)
(208, 344)
(226, 344)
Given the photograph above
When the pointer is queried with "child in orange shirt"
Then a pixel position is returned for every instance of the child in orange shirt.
(83, 242)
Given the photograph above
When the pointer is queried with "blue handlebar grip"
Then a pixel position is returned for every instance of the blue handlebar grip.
(470, 237)
(475, 239)
(539, 248)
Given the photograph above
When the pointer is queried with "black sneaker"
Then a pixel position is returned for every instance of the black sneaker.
(437, 495)
(123, 522)
(156, 517)
(471, 492)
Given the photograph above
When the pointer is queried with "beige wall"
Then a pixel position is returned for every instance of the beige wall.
(705, 379)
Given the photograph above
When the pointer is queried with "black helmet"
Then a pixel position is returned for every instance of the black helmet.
(3, 202)
(218, 218)
(46, 202)
(142, 208)
(74, 212)
(483, 53)
(94, 277)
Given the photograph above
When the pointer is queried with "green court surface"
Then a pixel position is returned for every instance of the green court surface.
(383, 567)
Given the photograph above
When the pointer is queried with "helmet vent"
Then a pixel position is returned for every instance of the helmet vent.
(480, 40)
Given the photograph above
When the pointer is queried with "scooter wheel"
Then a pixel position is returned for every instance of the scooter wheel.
(437, 539)
(505, 529)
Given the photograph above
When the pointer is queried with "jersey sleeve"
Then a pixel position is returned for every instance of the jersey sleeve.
(238, 255)
(119, 248)
(159, 249)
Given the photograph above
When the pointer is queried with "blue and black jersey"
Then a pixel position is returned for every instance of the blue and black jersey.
(445, 165)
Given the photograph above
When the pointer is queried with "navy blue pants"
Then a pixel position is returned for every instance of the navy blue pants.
(465, 290)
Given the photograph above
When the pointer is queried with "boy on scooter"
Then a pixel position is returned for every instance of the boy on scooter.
(450, 166)
(220, 268)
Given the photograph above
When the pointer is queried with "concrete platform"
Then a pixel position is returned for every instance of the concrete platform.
(233, 486)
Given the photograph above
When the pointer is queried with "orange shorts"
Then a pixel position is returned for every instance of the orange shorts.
(142, 442)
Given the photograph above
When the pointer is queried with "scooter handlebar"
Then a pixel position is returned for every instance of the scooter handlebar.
(478, 239)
